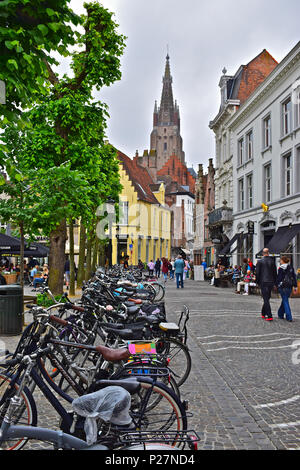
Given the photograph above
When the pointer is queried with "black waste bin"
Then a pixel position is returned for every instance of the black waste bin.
(11, 309)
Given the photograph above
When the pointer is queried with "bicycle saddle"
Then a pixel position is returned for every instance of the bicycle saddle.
(131, 384)
(113, 355)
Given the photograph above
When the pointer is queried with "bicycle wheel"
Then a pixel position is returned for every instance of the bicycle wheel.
(26, 413)
(159, 290)
(177, 355)
(156, 408)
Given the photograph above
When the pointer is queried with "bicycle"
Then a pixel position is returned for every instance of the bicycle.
(27, 370)
(117, 439)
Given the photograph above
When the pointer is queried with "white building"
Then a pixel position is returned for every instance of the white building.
(235, 90)
(265, 135)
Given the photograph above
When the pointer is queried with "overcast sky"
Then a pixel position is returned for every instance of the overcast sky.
(203, 37)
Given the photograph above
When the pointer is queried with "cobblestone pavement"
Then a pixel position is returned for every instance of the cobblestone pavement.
(244, 386)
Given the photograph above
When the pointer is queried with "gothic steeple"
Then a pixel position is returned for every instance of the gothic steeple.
(165, 137)
(166, 110)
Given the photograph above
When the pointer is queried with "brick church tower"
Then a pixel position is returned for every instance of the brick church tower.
(165, 138)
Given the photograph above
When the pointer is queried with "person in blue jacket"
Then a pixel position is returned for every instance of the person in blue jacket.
(285, 282)
(179, 269)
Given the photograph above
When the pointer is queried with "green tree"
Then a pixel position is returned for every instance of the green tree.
(69, 126)
(30, 30)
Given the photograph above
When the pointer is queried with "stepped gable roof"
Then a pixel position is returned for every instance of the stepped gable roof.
(250, 76)
(139, 177)
(178, 171)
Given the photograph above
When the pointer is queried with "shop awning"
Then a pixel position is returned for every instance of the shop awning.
(281, 239)
(242, 237)
(226, 249)
(8, 244)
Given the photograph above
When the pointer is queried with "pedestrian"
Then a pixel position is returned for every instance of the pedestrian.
(140, 265)
(216, 281)
(165, 268)
(285, 282)
(245, 266)
(2, 278)
(172, 270)
(125, 264)
(186, 269)
(179, 267)
(157, 267)
(67, 272)
(151, 267)
(266, 275)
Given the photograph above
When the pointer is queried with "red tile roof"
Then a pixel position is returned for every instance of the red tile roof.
(139, 177)
(179, 172)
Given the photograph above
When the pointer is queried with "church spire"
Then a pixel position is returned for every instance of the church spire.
(166, 110)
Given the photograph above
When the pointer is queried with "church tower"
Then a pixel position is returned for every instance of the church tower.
(165, 138)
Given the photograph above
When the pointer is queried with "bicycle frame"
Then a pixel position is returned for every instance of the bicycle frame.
(60, 439)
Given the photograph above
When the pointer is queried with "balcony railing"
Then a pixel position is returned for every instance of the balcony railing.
(220, 215)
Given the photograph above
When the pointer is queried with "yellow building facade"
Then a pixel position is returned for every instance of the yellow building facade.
(143, 231)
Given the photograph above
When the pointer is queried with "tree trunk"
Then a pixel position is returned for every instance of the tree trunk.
(22, 243)
(88, 259)
(95, 253)
(82, 241)
(57, 258)
(72, 264)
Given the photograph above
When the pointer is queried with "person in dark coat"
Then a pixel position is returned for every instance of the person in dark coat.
(2, 278)
(285, 282)
(266, 275)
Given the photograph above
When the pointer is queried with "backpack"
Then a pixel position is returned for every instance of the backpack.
(288, 280)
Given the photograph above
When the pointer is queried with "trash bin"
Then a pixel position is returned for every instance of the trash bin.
(11, 309)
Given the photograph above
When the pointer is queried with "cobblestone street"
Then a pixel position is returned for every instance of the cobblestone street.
(243, 389)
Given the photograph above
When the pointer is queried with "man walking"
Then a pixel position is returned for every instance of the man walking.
(179, 267)
(266, 275)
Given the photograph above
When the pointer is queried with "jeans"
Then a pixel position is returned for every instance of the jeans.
(179, 280)
(172, 274)
(285, 308)
(266, 290)
(38, 280)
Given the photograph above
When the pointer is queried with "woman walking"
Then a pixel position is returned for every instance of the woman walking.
(286, 280)
(165, 268)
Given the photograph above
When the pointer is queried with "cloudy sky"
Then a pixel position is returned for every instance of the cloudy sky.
(202, 37)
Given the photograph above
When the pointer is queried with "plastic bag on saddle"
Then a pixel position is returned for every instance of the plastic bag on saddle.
(157, 310)
(111, 404)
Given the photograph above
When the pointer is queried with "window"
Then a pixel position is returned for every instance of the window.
(267, 132)
(241, 195)
(297, 107)
(165, 146)
(286, 117)
(249, 182)
(267, 183)
(224, 148)
(297, 169)
(240, 151)
(249, 145)
(287, 175)
(123, 219)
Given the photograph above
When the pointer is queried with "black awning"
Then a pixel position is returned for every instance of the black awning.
(281, 239)
(226, 249)
(8, 244)
(241, 238)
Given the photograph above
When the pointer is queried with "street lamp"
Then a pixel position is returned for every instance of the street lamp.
(110, 209)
